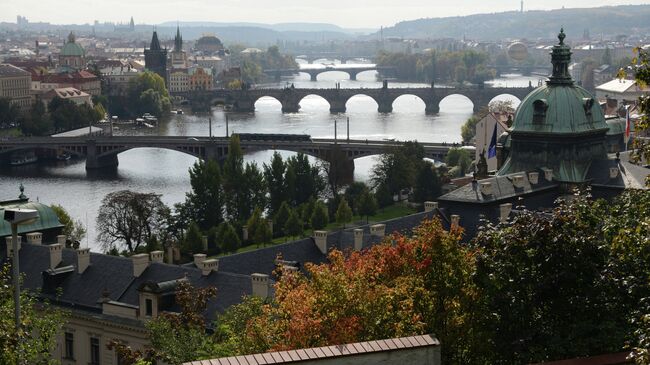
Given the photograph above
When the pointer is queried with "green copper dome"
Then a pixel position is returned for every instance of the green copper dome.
(558, 126)
(71, 48)
(559, 109)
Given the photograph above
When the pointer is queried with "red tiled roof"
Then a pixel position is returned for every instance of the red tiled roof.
(325, 352)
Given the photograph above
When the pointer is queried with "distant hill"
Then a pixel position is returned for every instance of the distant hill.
(280, 27)
(626, 19)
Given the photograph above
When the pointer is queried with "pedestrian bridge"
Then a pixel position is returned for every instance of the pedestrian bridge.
(102, 151)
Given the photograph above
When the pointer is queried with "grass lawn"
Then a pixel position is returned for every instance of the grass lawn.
(10, 132)
(393, 211)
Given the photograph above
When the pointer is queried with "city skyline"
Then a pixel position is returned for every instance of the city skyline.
(352, 15)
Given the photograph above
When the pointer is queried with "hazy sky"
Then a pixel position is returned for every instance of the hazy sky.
(346, 13)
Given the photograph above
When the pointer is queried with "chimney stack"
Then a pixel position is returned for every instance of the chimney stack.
(455, 220)
(518, 181)
(486, 188)
(198, 259)
(244, 233)
(430, 206)
(260, 285)
(613, 172)
(56, 251)
(533, 177)
(208, 266)
(320, 238)
(35, 238)
(504, 212)
(358, 239)
(62, 239)
(83, 259)
(548, 174)
(140, 263)
(156, 256)
(378, 230)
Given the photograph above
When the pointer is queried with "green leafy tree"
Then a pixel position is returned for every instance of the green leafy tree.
(205, 203)
(293, 225)
(366, 204)
(233, 176)
(384, 196)
(74, 229)
(303, 180)
(281, 217)
(231, 328)
(275, 181)
(460, 159)
(427, 184)
(40, 324)
(37, 122)
(193, 241)
(141, 100)
(306, 210)
(228, 239)
(397, 168)
(320, 216)
(258, 228)
(353, 192)
(9, 112)
(640, 146)
(468, 129)
(343, 213)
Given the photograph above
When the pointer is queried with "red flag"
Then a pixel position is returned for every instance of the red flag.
(627, 125)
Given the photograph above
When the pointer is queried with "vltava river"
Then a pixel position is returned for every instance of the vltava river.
(165, 172)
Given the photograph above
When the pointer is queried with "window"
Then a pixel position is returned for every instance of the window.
(69, 345)
(94, 351)
(539, 111)
(149, 307)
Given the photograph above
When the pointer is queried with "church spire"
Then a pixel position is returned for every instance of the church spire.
(71, 37)
(561, 58)
(155, 43)
(178, 40)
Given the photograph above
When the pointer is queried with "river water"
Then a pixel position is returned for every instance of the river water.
(165, 172)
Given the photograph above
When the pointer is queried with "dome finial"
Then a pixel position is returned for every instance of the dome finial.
(561, 36)
(71, 38)
(22, 192)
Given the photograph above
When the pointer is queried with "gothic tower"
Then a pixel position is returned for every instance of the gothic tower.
(155, 58)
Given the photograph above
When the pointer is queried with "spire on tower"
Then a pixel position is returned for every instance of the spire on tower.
(178, 40)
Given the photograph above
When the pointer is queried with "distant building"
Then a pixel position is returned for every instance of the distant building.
(155, 58)
(117, 79)
(72, 56)
(622, 90)
(484, 132)
(179, 80)
(15, 84)
(178, 57)
(208, 44)
(71, 94)
(200, 78)
(82, 80)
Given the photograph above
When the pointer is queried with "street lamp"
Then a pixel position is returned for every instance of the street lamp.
(16, 217)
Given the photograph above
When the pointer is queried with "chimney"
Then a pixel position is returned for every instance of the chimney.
(486, 188)
(378, 230)
(533, 177)
(10, 245)
(199, 258)
(548, 174)
(140, 263)
(518, 181)
(358, 239)
(156, 256)
(61, 239)
(504, 211)
(260, 285)
(455, 220)
(208, 266)
(56, 251)
(613, 172)
(320, 238)
(430, 206)
(83, 259)
(244, 233)
(35, 238)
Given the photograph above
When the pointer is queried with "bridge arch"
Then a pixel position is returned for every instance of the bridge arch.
(367, 75)
(76, 152)
(409, 103)
(314, 102)
(362, 102)
(507, 97)
(198, 152)
(457, 103)
(267, 103)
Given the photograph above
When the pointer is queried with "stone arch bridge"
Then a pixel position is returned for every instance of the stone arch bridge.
(102, 151)
(314, 72)
(244, 100)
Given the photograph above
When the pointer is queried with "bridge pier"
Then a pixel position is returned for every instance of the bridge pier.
(337, 106)
(353, 76)
(290, 107)
(313, 76)
(385, 107)
(93, 162)
(244, 106)
(432, 108)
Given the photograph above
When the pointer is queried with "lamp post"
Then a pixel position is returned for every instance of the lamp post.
(16, 217)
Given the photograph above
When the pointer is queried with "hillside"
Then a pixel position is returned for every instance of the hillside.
(627, 19)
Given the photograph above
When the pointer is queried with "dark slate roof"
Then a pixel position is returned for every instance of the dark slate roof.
(113, 275)
(305, 250)
(7, 70)
(630, 176)
(502, 189)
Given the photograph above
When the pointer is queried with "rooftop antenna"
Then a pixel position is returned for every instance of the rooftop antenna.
(522, 6)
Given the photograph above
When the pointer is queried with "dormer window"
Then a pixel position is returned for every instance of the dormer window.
(587, 104)
(539, 111)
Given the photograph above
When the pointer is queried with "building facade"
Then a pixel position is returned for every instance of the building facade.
(72, 56)
(15, 84)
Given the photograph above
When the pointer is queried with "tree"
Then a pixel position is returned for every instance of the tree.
(275, 181)
(193, 241)
(293, 225)
(427, 183)
(641, 147)
(40, 324)
(306, 210)
(71, 228)
(320, 216)
(281, 217)
(233, 177)
(468, 129)
(336, 169)
(204, 204)
(459, 158)
(384, 196)
(9, 111)
(254, 189)
(147, 93)
(343, 213)
(366, 204)
(129, 219)
(397, 168)
(303, 180)
(353, 192)
(258, 228)
(227, 238)
(37, 122)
